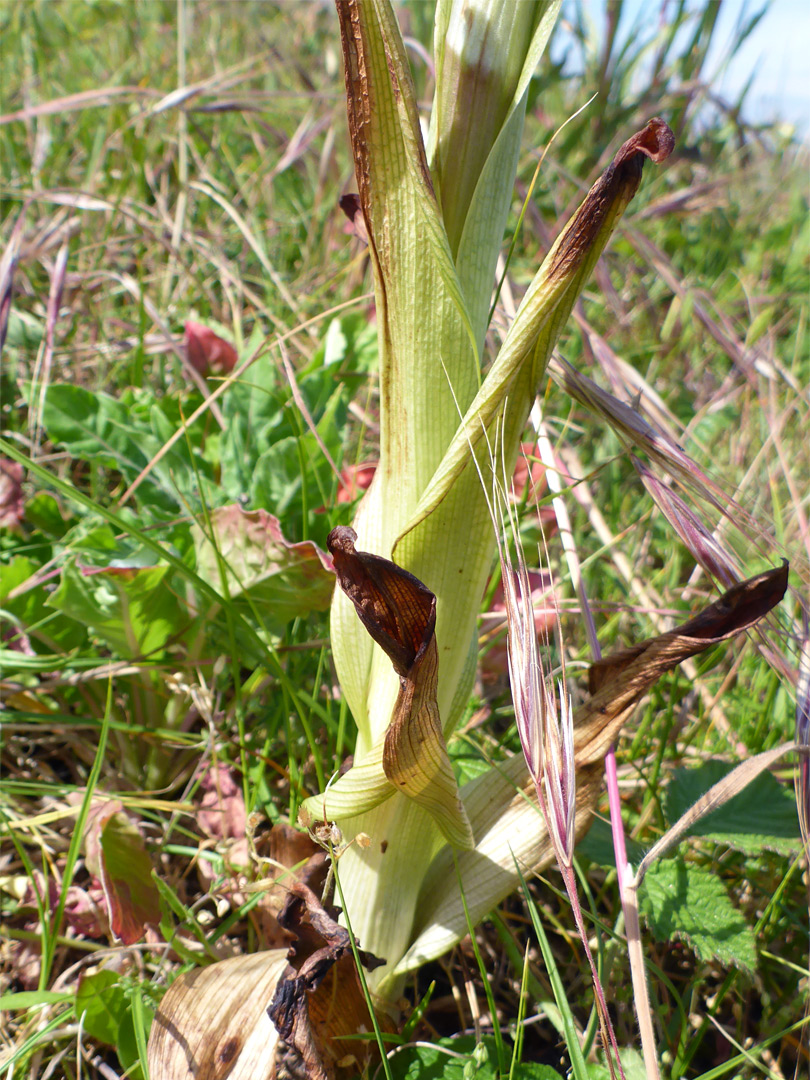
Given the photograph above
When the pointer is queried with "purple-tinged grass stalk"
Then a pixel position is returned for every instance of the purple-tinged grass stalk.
(631, 428)
(623, 871)
(44, 361)
(6, 283)
(706, 549)
(555, 485)
(697, 539)
(803, 740)
(8, 264)
(546, 736)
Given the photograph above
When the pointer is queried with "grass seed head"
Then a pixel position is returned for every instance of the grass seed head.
(546, 733)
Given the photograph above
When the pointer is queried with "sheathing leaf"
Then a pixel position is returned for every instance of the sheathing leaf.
(426, 344)
(482, 79)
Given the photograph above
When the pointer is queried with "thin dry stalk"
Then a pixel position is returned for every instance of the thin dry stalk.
(648, 599)
(42, 368)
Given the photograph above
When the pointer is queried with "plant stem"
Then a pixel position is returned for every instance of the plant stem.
(360, 972)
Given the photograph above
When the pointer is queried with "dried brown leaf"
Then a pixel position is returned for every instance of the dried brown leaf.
(350, 205)
(213, 1022)
(319, 1004)
(618, 681)
(618, 184)
(397, 610)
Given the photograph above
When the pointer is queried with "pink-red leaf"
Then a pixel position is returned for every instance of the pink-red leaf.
(206, 351)
(116, 854)
(282, 579)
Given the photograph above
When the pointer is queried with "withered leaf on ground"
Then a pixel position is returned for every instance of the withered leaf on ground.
(212, 1023)
(319, 1003)
(263, 569)
(116, 854)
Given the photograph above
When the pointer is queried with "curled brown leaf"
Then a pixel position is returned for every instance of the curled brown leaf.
(319, 1004)
(399, 612)
(618, 681)
(614, 189)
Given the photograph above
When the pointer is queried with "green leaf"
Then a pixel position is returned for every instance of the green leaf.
(684, 901)
(14, 573)
(277, 477)
(105, 1007)
(93, 427)
(350, 343)
(632, 1064)
(124, 434)
(127, 524)
(32, 607)
(43, 512)
(127, 1044)
(761, 817)
(445, 1060)
(293, 478)
(130, 608)
(459, 1059)
(96, 541)
(597, 845)
(253, 410)
(100, 1004)
(25, 331)
(29, 999)
(466, 766)
(260, 413)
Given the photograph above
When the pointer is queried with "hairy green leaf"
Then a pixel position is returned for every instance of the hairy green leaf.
(131, 608)
(680, 900)
(124, 434)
